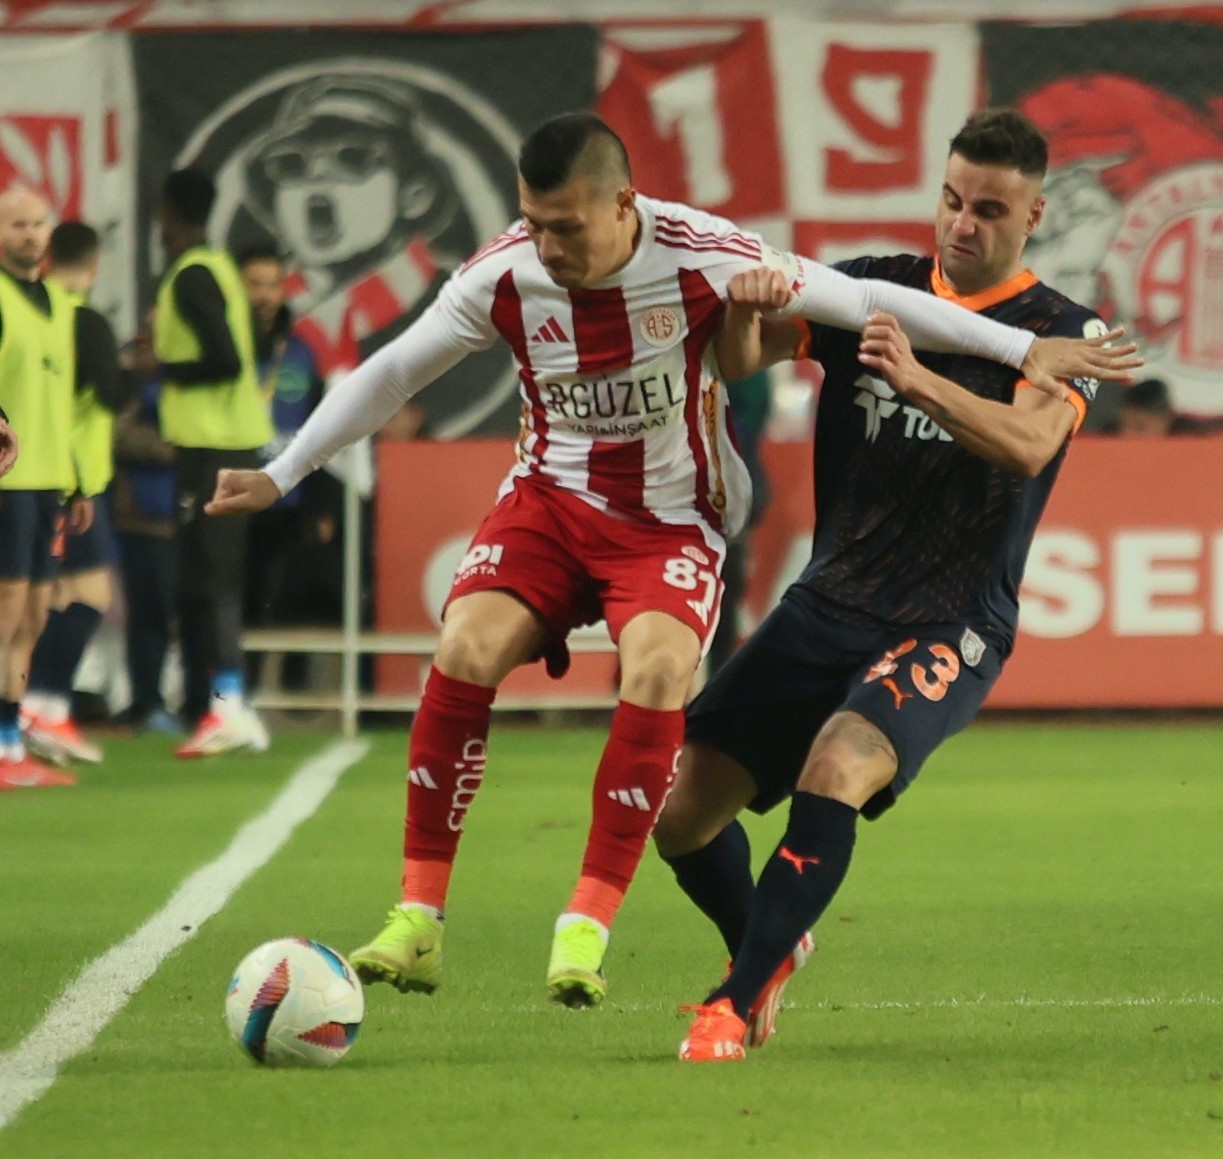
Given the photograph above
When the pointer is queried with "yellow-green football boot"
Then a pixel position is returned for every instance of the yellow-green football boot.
(575, 970)
(407, 954)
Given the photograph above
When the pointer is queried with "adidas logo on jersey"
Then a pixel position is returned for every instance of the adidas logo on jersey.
(550, 331)
(421, 777)
(634, 798)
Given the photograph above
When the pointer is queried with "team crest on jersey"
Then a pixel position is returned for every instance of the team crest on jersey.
(972, 648)
(695, 553)
(659, 326)
(1087, 387)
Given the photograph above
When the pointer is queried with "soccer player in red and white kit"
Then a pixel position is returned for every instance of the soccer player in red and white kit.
(625, 487)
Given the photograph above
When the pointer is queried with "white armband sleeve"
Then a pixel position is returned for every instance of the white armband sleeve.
(835, 299)
(363, 402)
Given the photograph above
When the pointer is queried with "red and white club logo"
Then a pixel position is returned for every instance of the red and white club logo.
(1166, 261)
(659, 326)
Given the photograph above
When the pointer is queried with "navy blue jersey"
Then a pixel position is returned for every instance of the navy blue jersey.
(912, 528)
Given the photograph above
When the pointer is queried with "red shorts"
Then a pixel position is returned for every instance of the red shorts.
(573, 564)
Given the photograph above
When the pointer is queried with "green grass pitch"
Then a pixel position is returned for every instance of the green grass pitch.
(1024, 961)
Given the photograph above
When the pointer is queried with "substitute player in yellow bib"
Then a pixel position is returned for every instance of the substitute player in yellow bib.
(83, 589)
(214, 412)
(37, 392)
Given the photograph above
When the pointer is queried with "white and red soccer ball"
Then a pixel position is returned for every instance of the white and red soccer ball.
(294, 1002)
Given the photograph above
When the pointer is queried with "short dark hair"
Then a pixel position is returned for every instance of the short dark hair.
(1150, 395)
(573, 145)
(1003, 137)
(258, 252)
(188, 194)
(73, 243)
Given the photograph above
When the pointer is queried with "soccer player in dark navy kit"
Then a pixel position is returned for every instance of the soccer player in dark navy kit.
(930, 477)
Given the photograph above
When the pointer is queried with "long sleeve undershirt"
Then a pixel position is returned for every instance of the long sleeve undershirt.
(202, 305)
(364, 401)
(97, 361)
(829, 296)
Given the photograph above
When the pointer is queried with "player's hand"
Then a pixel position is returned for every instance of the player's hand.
(242, 493)
(761, 289)
(1052, 360)
(8, 448)
(138, 357)
(886, 348)
(80, 516)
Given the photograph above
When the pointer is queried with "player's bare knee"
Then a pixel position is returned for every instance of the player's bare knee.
(658, 678)
(850, 761)
(471, 656)
(486, 636)
(93, 588)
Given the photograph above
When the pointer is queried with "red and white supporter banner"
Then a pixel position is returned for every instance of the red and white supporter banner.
(66, 131)
(698, 112)
(1122, 605)
(868, 112)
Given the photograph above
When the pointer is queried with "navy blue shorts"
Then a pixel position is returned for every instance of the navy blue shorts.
(917, 684)
(31, 540)
(94, 548)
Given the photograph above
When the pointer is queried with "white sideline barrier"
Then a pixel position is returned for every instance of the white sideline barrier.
(350, 642)
(350, 701)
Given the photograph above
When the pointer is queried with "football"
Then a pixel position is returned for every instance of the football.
(294, 1002)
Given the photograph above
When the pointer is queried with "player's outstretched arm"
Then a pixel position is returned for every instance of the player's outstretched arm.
(364, 401)
(822, 294)
(826, 295)
(1021, 437)
(242, 493)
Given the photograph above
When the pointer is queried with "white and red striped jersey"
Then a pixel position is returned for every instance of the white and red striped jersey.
(622, 402)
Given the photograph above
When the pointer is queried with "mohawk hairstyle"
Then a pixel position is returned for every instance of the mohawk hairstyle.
(573, 145)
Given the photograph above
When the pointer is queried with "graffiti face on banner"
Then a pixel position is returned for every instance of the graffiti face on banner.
(376, 179)
(345, 172)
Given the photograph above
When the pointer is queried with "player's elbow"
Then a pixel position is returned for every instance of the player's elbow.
(735, 367)
(1030, 459)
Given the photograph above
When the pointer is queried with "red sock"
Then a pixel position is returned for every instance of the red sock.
(446, 758)
(634, 776)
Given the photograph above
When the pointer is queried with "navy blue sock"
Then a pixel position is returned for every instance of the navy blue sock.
(60, 648)
(795, 887)
(718, 879)
(10, 732)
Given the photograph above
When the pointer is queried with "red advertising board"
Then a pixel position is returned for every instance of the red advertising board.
(1122, 601)
(431, 499)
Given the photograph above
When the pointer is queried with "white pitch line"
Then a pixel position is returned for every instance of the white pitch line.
(1023, 1002)
(980, 1002)
(106, 984)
